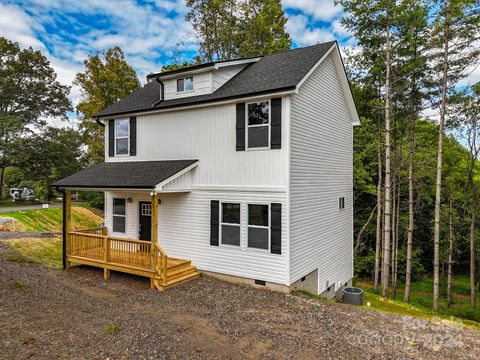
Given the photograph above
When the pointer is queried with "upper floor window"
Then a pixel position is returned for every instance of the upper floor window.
(122, 136)
(258, 125)
(185, 84)
(341, 203)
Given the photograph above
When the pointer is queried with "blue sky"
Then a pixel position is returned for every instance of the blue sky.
(67, 31)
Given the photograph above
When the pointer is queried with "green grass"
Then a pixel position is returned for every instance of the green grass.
(50, 220)
(421, 301)
(111, 329)
(18, 284)
(44, 251)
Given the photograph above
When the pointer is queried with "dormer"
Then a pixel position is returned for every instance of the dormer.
(199, 79)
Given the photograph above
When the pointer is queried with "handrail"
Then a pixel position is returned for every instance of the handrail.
(96, 231)
(136, 253)
(161, 268)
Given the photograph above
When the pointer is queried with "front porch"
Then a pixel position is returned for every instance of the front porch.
(93, 247)
(106, 248)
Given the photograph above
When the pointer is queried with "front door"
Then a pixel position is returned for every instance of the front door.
(145, 221)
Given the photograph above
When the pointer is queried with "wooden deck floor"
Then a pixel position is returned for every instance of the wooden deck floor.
(130, 256)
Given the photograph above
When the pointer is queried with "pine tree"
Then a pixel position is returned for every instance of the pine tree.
(455, 30)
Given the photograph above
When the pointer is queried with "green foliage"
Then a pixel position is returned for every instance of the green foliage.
(421, 301)
(104, 82)
(228, 29)
(29, 92)
(364, 264)
(111, 329)
(94, 199)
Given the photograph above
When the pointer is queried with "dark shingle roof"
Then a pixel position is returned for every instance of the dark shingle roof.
(131, 174)
(275, 72)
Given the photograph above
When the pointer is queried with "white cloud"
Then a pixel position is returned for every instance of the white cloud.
(304, 34)
(18, 26)
(318, 9)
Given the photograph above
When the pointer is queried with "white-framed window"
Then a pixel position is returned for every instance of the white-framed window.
(258, 226)
(146, 209)
(119, 215)
(341, 203)
(185, 84)
(122, 137)
(230, 224)
(258, 125)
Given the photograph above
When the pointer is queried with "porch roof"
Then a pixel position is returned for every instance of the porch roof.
(127, 175)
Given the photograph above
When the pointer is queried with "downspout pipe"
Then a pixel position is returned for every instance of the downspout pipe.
(162, 91)
(99, 122)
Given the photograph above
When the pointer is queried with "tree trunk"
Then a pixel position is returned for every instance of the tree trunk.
(360, 233)
(395, 263)
(378, 242)
(450, 255)
(393, 232)
(408, 270)
(472, 245)
(438, 184)
(388, 205)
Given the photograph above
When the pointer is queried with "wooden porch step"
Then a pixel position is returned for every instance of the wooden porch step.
(177, 281)
(173, 264)
(180, 271)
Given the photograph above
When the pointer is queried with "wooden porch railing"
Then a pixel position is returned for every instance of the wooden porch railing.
(139, 257)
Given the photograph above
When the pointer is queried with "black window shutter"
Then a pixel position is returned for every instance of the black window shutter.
(111, 137)
(276, 228)
(276, 127)
(214, 214)
(241, 127)
(133, 136)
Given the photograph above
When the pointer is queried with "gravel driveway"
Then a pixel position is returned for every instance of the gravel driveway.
(62, 315)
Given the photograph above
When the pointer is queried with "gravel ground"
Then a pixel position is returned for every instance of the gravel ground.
(62, 314)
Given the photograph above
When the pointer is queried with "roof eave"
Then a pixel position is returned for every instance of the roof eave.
(200, 103)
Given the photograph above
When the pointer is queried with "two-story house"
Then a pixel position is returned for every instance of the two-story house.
(238, 169)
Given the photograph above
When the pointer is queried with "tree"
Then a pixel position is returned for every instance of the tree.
(465, 114)
(48, 156)
(373, 23)
(412, 89)
(228, 29)
(262, 29)
(29, 93)
(455, 29)
(104, 82)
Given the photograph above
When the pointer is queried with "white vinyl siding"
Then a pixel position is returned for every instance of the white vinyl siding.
(202, 84)
(191, 239)
(208, 134)
(321, 171)
(222, 75)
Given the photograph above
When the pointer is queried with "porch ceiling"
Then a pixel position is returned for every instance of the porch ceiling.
(127, 175)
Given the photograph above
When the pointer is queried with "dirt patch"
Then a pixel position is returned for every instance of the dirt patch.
(63, 314)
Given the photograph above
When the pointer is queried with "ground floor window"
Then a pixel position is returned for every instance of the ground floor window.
(118, 215)
(258, 226)
(230, 224)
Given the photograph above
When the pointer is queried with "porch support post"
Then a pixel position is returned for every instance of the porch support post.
(67, 216)
(154, 229)
(154, 217)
